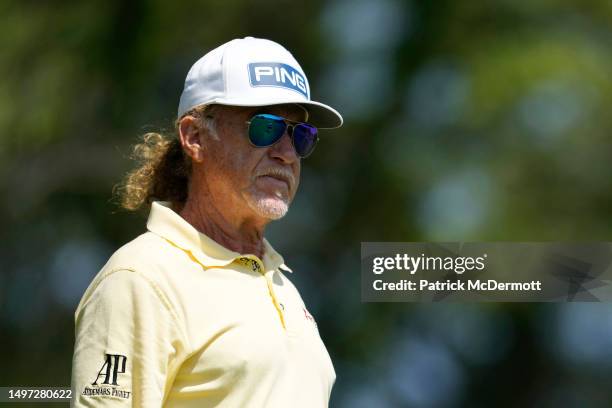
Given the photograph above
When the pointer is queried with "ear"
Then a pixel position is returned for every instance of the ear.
(190, 135)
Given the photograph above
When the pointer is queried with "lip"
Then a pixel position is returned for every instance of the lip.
(275, 180)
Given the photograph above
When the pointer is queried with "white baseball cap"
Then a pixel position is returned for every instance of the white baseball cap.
(252, 72)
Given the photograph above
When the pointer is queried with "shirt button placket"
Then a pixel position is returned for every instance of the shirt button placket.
(257, 267)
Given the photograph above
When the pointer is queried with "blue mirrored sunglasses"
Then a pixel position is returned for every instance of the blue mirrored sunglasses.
(266, 129)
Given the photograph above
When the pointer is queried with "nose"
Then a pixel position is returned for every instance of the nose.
(283, 150)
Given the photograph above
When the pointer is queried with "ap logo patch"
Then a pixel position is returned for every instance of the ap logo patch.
(277, 74)
(106, 383)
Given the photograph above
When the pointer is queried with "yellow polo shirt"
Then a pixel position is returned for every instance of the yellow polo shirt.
(176, 320)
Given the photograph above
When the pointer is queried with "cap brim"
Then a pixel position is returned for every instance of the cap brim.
(322, 116)
(319, 114)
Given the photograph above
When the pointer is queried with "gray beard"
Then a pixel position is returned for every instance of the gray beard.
(272, 208)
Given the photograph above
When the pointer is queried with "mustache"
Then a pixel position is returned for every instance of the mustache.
(278, 172)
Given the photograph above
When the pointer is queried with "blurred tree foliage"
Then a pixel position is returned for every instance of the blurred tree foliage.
(464, 121)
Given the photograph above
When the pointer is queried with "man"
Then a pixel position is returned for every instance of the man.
(198, 311)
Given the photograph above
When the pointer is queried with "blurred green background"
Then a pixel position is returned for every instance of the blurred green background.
(473, 121)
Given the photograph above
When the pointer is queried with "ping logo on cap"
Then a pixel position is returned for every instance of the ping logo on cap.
(277, 74)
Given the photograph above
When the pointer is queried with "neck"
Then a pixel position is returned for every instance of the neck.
(223, 224)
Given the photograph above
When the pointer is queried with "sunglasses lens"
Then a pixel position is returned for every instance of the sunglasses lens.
(265, 129)
(304, 139)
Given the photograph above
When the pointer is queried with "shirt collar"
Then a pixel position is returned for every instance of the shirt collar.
(166, 223)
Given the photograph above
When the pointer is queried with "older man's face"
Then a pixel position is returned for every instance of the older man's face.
(252, 181)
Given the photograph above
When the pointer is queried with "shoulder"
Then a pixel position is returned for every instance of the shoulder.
(136, 267)
(143, 251)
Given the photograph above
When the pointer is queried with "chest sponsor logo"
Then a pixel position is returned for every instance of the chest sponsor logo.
(279, 75)
(107, 380)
